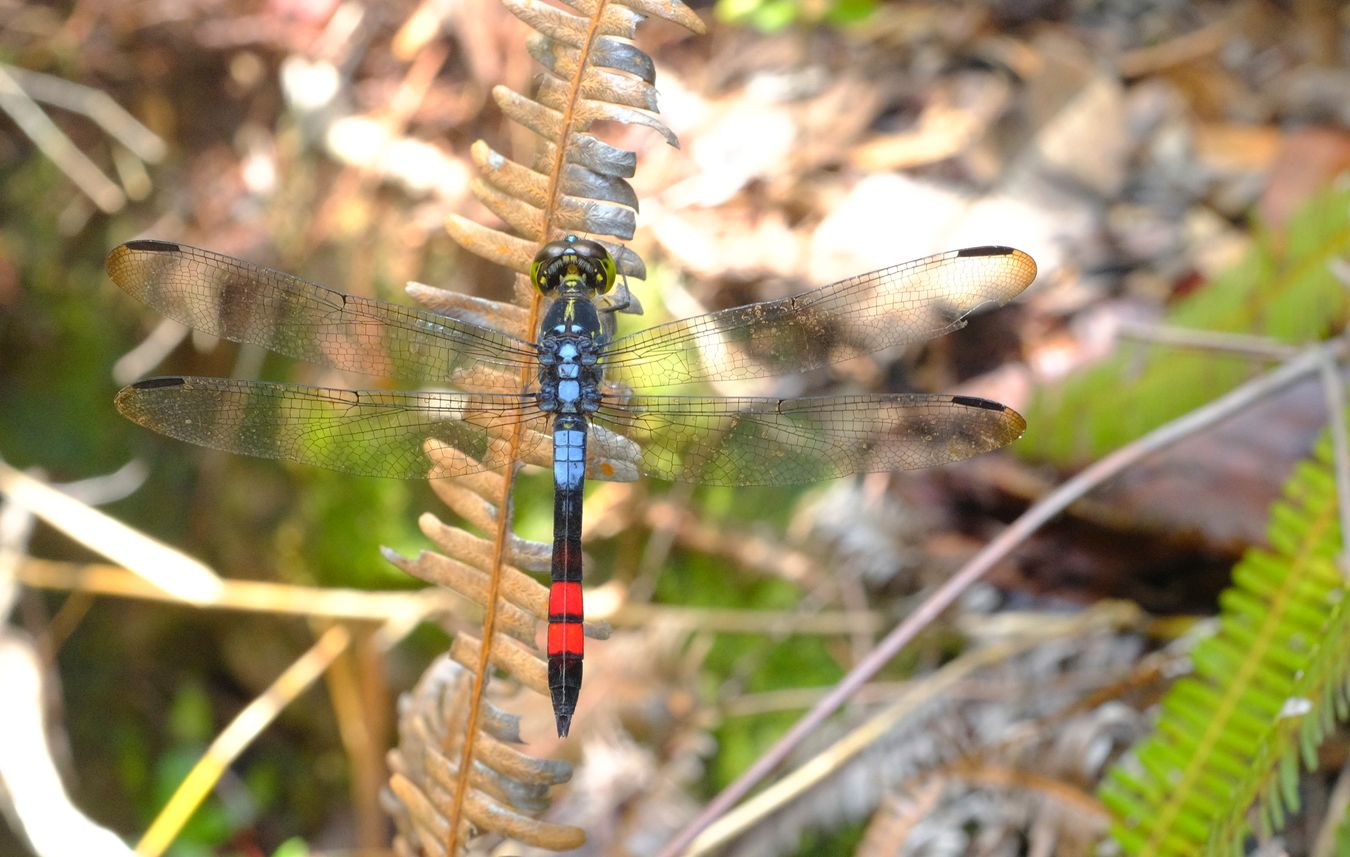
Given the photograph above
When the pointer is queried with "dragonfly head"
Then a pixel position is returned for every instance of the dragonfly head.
(578, 263)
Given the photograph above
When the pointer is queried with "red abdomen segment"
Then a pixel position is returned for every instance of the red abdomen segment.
(565, 646)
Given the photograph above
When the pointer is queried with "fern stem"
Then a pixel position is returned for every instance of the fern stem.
(503, 506)
(1024, 527)
(480, 675)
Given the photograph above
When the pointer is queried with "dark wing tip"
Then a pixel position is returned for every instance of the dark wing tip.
(977, 402)
(129, 400)
(150, 245)
(1014, 422)
(146, 245)
(1010, 267)
(155, 383)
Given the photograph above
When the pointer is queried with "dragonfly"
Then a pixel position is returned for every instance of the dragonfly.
(576, 397)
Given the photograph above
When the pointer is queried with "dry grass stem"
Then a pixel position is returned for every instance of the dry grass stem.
(172, 571)
(237, 736)
(857, 741)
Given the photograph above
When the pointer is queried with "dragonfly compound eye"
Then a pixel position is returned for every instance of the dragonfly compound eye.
(572, 258)
(598, 264)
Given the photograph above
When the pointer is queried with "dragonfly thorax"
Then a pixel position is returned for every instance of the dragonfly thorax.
(572, 267)
(569, 357)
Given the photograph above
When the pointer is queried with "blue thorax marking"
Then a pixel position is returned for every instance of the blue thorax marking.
(569, 362)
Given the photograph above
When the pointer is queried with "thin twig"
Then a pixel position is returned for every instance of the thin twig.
(248, 595)
(152, 350)
(1016, 533)
(53, 143)
(1334, 389)
(1209, 340)
(362, 735)
(755, 703)
(729, 620)
(97, 105)
(420, 605)
(1183, 49)
(1075, 800)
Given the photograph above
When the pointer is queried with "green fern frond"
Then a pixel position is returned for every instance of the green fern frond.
(1267, 687)
(1283, 290)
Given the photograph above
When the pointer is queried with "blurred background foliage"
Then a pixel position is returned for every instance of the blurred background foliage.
(1166, 163)
(774, 15)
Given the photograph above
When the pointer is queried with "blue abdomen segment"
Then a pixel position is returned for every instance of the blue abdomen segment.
(569, 453)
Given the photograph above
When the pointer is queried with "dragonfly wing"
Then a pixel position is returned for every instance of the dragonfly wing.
(763, 441)
(250, 303)
(366, 432)
(905, 303)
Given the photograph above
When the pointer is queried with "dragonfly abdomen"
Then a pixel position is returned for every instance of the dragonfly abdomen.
(569, 382)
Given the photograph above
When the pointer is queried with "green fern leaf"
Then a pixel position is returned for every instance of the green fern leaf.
(1267, 688)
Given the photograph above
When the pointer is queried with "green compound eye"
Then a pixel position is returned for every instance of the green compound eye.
(601, 264)
(572, 257)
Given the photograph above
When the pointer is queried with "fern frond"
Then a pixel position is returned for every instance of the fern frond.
(508, 785)
(1267, 687)
(575, 183)
(1284, 290)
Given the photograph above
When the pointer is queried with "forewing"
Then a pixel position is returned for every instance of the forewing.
(250, 303)
(366, 432)
(906, 303)
(760, 441)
